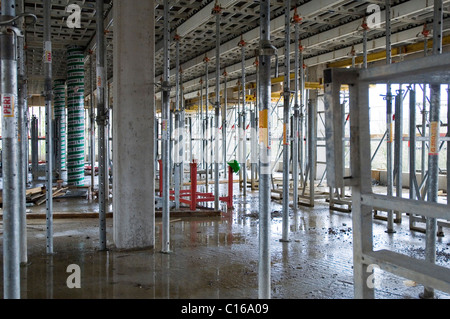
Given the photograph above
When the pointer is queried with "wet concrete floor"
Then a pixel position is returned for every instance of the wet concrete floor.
(216, 258)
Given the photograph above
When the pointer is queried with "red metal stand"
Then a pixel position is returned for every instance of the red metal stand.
(194, 196)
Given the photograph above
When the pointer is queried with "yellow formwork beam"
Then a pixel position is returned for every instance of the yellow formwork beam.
(378, 56)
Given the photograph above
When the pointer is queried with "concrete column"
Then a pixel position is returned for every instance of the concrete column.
(133, 125)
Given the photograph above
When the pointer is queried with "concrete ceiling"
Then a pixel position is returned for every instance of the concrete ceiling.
(329, 30)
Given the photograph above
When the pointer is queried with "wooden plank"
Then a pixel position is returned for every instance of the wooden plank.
(33, 191)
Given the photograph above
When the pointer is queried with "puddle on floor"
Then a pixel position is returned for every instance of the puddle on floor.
(217, 258)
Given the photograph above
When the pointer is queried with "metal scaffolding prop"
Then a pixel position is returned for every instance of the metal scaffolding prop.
(266, 51)
(48, 95)
(22, 104)
(92, 152)
(10, 152)
(166, 132)
(296, 118)
(217, 11)
(34, 132)
(102, 123)
(434, 71)
(242, 125)
(286, 122)
(178, 134)
(59, 100)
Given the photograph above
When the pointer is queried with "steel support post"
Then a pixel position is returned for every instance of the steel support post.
(177, 163)
(253, 149)
(224, 124)
(424, 132)
(266, 53)
(398, 152)
(181, 140)
(34, 132)
(312, 148)
(23, 141)
(424, 119)
(166, 136)
(365, 48)
(217, 11)
(10, 152)
(201, 125)
(295, 148)
(242, 126)
(433, 155)
(238, 125)
(177, 132)
(102, 122)
(49, 120)
(255, 132)
(433, 179)
(92, 120)
(413, 191)
(389, 124)
(302, 118)
(286, 122)
(206, 126)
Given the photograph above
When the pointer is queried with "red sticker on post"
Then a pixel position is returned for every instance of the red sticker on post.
(8, 105)
(434, 139)
(48, 52)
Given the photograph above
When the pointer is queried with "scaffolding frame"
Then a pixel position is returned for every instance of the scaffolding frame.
(432, 70)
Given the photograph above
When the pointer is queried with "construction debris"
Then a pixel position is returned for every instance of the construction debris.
(37, 196)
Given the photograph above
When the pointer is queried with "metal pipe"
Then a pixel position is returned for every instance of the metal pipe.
(59, 100)
(177, 168)
(166, 136)
(295, 149)
(243, 129)
(23, 140)
(286, 122)
(424, 130)
(389, 124)
(398, 157)
(217, 12)
(102, 123)
(412, 145)
(10, 160)
(302, 116)
(224, 124)
(34, 147)
(424, 116)
(48, 125)
(312, 147)
(206, 126)
(202, 126)
(266, 52)
(92, 121)
(254, 132)
(433, 156)
(365, 48)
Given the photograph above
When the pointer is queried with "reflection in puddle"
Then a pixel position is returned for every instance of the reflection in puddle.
(212, 258)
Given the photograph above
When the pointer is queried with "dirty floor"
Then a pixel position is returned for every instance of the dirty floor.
(216, 258)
